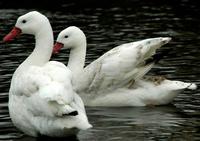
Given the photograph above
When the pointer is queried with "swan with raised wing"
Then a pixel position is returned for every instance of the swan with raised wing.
(41, 98)
(116, 78)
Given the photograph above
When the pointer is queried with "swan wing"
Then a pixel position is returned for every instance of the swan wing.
(122, 64)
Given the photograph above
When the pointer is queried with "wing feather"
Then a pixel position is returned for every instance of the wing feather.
(118, 66)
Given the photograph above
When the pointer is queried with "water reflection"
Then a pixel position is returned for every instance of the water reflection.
(132, 124)
(105, 28)
(138, 123)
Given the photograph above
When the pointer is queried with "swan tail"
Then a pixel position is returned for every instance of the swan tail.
(191, 86)
(179, 85)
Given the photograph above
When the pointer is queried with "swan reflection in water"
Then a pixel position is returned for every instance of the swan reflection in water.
(127, 123)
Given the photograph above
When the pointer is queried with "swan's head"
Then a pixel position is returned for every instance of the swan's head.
(30, 23)
(71, 37)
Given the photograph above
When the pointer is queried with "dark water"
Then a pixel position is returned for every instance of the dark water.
(106, 27)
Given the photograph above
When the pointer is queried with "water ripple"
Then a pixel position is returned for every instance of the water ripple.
(105, 29)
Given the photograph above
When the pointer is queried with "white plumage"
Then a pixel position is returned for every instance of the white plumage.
(41, 96)
(116, 78)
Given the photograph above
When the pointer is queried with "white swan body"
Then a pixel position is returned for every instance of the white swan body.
(108, 81)
(41, 97)
(144, 93)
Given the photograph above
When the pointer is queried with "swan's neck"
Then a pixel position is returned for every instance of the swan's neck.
(77, 59)
(43, 47)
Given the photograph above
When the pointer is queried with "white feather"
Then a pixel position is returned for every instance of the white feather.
(114, 79)
(41, 96)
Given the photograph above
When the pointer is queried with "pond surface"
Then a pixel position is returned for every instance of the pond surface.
(106, 28)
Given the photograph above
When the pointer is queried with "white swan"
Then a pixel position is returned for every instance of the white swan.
(114, 79)
(41, 97)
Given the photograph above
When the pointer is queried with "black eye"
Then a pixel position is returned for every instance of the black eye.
(23, 21)
(66, 36)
